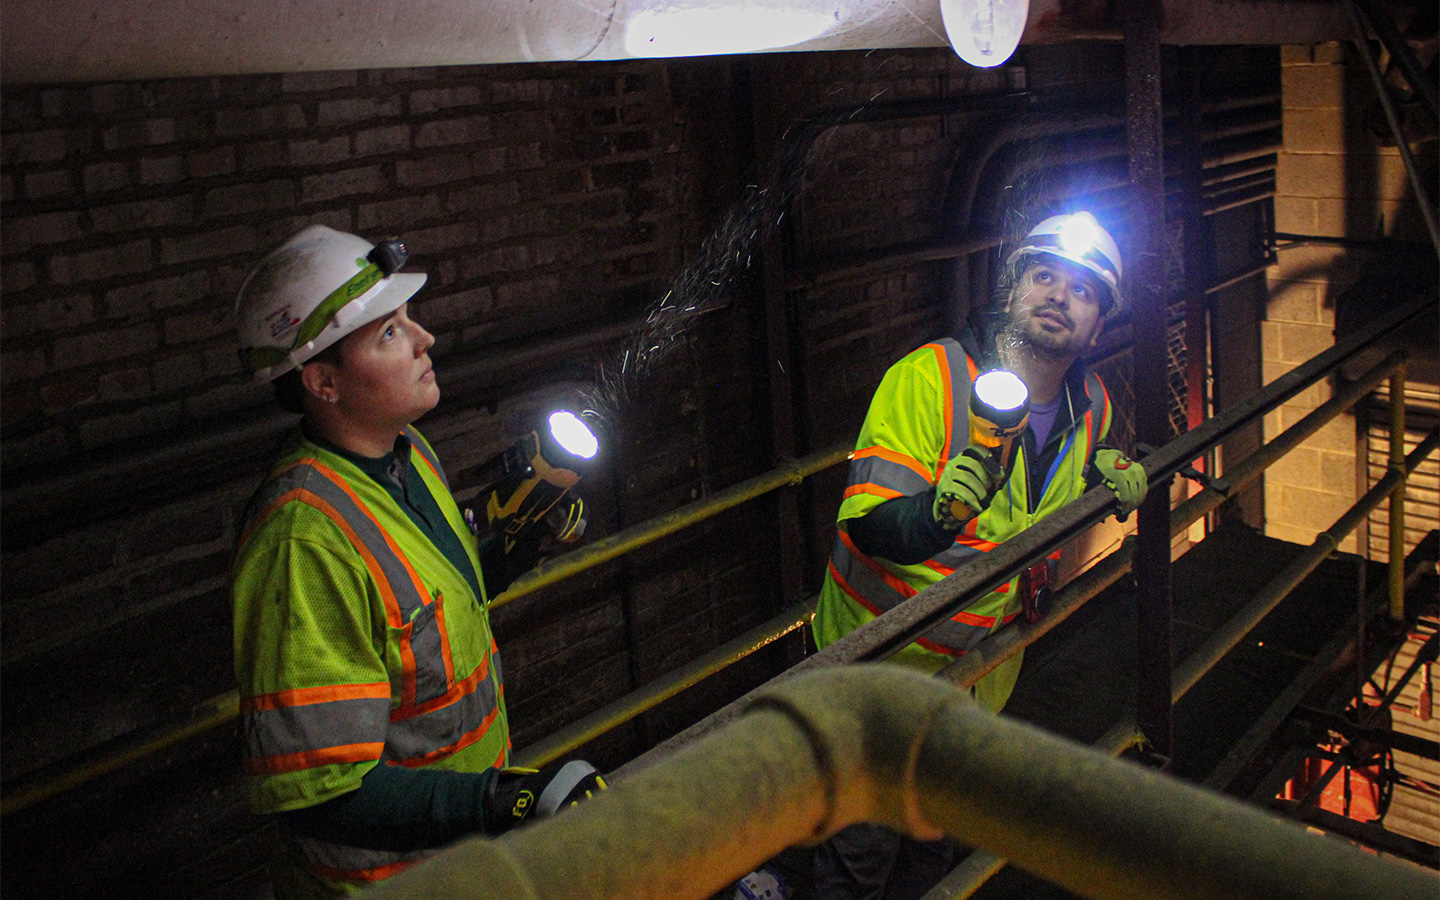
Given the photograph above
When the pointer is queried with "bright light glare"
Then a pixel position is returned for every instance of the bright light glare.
(738, 27)
(984, 32)
(573, 435)
(1079, 234)
(1001, 390)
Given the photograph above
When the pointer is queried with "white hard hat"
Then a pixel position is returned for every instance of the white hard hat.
(311, 291)
(1080, 239)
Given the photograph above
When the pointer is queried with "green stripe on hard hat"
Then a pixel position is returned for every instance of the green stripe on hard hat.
(257, 358)
(1081, 239)
(319, 317)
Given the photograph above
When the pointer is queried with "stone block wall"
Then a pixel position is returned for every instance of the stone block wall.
(1334, 179)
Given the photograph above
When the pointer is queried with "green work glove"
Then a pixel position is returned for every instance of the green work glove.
(1125, 477)
(965, 487)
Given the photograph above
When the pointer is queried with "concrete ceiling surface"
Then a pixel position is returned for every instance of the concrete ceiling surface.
(81, 40)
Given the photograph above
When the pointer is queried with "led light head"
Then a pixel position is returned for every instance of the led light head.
(984, 33)
(573, 435)
(999, 408)
(1001, 390)
(1079, 234)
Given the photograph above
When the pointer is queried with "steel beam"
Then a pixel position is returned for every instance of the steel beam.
(1145, 287)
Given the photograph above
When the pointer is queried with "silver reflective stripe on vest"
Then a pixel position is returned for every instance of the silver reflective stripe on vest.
(881, 597)
(418, 443)
(284, 730)
(412, 737)
(886, 474)
(355, 863)
(956, 555)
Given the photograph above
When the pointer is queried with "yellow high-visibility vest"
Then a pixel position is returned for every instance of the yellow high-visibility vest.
(357, 643)
(918, 420)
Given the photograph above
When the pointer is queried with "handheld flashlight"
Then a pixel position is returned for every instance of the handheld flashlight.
(999, 411)
(538, 471)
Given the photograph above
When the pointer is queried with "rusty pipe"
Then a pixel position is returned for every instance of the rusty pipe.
(885, 744)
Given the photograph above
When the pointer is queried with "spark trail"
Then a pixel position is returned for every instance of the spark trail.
(728, 252)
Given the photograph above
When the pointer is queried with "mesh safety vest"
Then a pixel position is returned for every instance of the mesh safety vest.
(356, 643)
(918, 420)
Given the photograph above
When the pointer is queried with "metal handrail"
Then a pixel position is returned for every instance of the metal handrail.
(912, 618)
(990, 653)
(1224, 638)
(883, 743)
(580, 732)
(32, 787)
(986, 656)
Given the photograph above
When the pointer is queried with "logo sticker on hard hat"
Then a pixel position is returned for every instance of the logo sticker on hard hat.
(282, 322)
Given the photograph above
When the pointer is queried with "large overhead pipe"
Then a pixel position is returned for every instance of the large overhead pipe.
(80, 40)
(885, 744)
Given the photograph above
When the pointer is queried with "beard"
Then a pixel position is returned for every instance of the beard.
(1023, 332)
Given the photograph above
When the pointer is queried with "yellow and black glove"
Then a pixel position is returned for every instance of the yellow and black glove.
(1125, 477)
(519, 794)
(966, 487)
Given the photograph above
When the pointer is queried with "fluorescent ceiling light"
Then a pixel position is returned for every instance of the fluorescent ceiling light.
(984, 32)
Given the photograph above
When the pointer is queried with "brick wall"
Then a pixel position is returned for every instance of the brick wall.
(542, 201)
(1334, 179)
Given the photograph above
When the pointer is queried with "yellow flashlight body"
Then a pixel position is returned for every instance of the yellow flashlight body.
(992, 433)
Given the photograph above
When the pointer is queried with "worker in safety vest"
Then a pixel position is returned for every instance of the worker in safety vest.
(372, 701)
(897, 533)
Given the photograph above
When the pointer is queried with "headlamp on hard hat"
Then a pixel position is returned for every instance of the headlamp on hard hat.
(1079, 234)
(1079, 238)
(389, 256)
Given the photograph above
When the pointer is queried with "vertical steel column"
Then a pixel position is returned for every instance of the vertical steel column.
(1199, 256)
(1144, 133)
(1397, 497)
(780, 361)
(1422, 198)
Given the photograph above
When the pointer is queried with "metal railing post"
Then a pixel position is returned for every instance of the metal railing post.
(1396, 570)
(1144, 134)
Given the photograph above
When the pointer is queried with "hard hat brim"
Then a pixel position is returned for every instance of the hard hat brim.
(394, 292)
(1021, 258)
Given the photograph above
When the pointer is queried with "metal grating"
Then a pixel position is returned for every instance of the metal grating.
(1117, 371)
(1414, 809)
(1422, 492)
(1175, 371)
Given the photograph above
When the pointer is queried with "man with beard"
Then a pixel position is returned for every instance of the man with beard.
(896, 531)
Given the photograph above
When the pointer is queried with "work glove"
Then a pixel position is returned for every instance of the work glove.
(566, 519)
(516, 795)
(1125, 477)
(966, 487)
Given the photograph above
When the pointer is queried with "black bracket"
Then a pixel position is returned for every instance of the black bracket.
(1219, 485)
